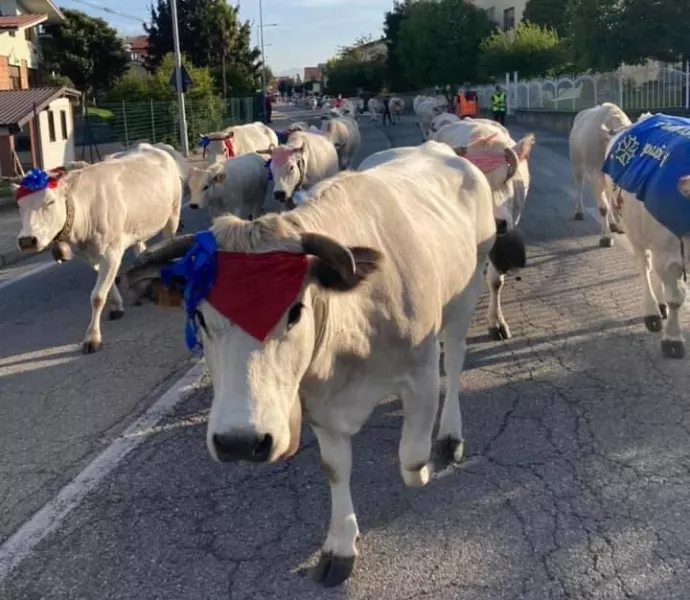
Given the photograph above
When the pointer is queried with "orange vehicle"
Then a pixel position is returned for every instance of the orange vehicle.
(468, 104)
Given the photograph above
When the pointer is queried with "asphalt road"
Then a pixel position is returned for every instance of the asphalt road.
(576, 483)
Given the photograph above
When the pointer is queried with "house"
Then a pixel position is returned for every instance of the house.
(137, 48)
(505, 13)
(312, 74)
(373, 50)
(44, 115)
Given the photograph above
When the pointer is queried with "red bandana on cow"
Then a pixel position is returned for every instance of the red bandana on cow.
(228, 148)
(254, 290)
(24, 191)
(486, 160)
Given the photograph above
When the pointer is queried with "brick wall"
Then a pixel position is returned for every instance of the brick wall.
(4, 73)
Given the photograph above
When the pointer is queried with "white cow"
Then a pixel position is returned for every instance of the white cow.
(375, 108)
(386, 263)
(426, 110)
(100, 211)
(587, 143)
(661, 255)
(306, 159)
(440, 121)
(346, 137)
(237, 186)
(397, 106)
(238, 140)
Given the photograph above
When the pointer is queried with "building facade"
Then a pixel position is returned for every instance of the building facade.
(505, 13)
(137, 49)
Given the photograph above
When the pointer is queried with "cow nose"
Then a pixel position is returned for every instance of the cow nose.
(280, 196)
(250, 447)
(27, 243)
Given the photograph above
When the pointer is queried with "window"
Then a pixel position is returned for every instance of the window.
(491, 13)
(63, 123)
(509, 19)
(51, 126)
(15, 78)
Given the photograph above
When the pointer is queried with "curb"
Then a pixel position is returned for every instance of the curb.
(13, 257)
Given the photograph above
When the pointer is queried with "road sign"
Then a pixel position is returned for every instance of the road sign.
(186, 80)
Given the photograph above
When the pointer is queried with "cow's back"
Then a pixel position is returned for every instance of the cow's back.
(136, 193)
(587, 142)
(430, 213)
(253, 137)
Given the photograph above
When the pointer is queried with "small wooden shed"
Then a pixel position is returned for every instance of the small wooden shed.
(47, 114)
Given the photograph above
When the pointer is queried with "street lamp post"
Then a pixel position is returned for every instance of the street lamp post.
(263, 60)
(178, 78)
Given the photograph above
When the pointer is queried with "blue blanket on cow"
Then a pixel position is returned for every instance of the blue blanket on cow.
(648, 160)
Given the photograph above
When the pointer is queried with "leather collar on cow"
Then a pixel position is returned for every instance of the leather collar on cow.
(63, 235)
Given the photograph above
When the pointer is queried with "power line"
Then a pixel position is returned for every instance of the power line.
(109, 10)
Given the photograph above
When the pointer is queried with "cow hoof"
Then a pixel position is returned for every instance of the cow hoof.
(606, 242)
(653, 323)
(616, 228)
(448, 450)
(673, 349)
(116, 315)
(333, 570)
(418, 478)
(663, 309)
(90, 347)
(579, 216)
(500, 333)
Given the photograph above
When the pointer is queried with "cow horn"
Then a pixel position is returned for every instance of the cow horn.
(335, 255)
(512, 160)
(163, 252)
(299, 148)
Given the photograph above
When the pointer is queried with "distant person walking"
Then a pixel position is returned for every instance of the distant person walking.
(387, 109)
(268, 104)
(498, 105)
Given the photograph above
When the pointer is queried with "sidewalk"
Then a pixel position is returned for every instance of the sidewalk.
(10, 225)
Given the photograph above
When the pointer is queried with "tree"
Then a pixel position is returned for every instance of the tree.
(352, 70)
(655, 29)
(391, 30)
(438, 42)
(531, 50)
(213, 36)
(551, 14)
(86, 50)
(595, 34)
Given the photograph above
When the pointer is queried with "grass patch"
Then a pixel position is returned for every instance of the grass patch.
(101, 113)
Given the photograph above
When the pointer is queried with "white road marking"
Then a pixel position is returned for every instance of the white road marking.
(49, 518)
(545, 171)
(17, 278)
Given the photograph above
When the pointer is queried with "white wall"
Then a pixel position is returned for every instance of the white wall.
(17, 47)
(57, 153)
(500, 5)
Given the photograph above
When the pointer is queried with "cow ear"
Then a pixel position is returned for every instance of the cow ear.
(336, 267)
(219, 177)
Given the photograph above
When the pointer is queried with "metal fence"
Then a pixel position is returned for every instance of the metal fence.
(652, 86)
(127, 123)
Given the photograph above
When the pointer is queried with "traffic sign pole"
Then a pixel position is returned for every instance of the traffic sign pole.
(184, 140)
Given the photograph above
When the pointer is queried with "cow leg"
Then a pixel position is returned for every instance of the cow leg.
(579, 201)
(339, 551)
(672, 342)
(451, 443)
(420, 407)
(139, 248)
(650, 306)
(605, 240)
(108, 267)
(660, 293)
(117, 306)
(498, 328)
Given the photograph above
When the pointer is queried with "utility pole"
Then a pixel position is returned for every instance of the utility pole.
(184, 140)
(263, 60)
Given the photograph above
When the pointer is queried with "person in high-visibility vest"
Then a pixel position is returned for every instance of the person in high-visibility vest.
(498, 105)
(467, 105)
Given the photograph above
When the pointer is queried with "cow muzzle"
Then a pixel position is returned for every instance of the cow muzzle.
(250, 447)
(27, 244)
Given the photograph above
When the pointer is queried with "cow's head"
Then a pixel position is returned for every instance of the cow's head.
(205, 184)
(218, 146)
(261, 324)
(288, 171)
(44, 207)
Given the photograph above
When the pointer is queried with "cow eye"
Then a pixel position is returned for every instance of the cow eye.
(205, 188)
(50, 203)
(294, 315)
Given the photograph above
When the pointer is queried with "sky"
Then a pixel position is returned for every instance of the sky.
(308, 32)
